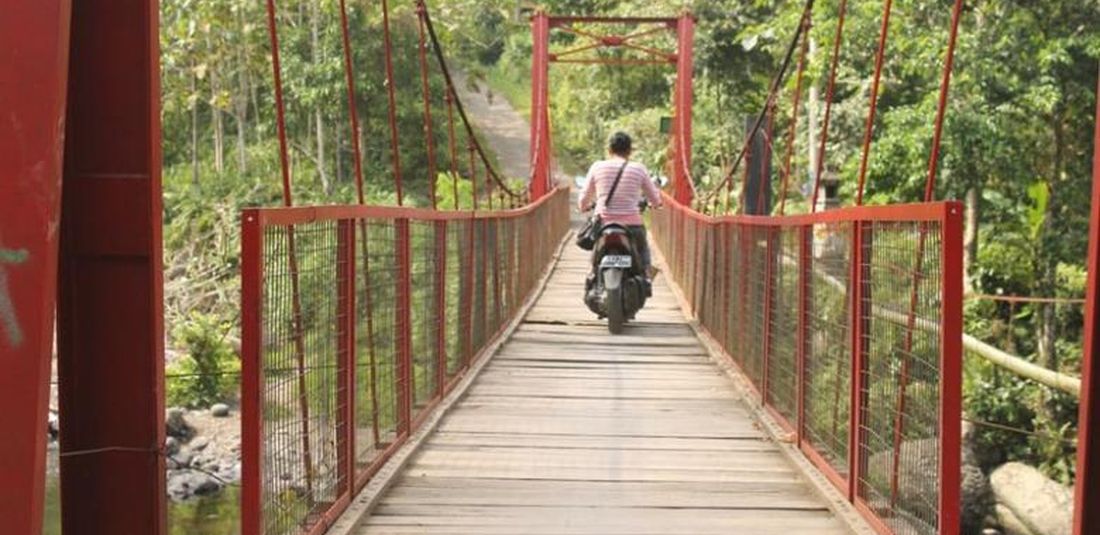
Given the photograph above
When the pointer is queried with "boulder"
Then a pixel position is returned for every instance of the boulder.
(1010, 525)
(1028, 500)
(219, 410)
(175, 424)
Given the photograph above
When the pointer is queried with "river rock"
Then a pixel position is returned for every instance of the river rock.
(1029, 503)
(175, 425)
(219, 410)
(171, 446)
(183, 484)
(920, 461)
(1010, 524)
(199, 444)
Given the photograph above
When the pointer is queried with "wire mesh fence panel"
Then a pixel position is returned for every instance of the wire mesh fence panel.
(783, 331)
(376, 415)
(899, 432)
(455, 267)
(424, 313)
(782, 295)
(354, 321)
(828, 368)
(757, 305)
(301, 416)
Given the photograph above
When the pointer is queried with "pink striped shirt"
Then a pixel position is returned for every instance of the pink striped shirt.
(624, 205)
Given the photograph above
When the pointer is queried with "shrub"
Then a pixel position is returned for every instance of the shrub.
(210, 371)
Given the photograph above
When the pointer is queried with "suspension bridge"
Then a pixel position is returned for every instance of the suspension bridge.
(433, 370)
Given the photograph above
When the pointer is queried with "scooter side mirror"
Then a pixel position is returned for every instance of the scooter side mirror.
(661, 181)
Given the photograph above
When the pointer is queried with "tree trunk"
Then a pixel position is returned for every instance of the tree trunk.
(240, 100)
(315, 49)
(194, 127)
(219, 137)
(970, 236)
(1047, 257)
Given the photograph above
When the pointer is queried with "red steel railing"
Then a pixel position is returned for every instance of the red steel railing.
(843, 320)
(357, 320)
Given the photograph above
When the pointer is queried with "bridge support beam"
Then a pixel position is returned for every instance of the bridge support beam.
(683, 188)
(1086, 517)
(110, 324)
(34, 53)
(540, 105)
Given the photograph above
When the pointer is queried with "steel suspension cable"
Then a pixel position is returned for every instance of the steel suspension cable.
(869, 130)
(280, 109)
(429, 135)
(458, 102)
(941, 111)
(842, 10)
(353, 112)
(792, 131)
(918, 274)
(292, 255)
(395, 150)
(773, 90)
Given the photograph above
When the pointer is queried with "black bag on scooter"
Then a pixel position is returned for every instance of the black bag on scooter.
(590, 231)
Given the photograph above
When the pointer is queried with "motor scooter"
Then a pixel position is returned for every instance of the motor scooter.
(616, 287)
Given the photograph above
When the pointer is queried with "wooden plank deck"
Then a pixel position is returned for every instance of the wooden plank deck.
(570, 430)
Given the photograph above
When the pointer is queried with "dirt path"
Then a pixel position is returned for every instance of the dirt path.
(500, 124)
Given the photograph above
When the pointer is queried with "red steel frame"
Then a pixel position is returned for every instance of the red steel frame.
(680, 147)
(110, 305)
(535, 242)
(670, 233)
(34, 50)
(1086, 515)
(84, 100)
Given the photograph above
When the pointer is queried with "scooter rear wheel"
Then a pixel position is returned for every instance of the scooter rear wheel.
(616, 316)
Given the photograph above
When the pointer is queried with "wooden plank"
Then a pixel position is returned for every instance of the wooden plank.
(523, 440)
(570, 430)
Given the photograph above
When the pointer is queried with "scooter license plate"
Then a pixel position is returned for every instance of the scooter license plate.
(616, 261)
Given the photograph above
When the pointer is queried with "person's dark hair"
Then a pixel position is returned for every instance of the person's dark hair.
(619, 143)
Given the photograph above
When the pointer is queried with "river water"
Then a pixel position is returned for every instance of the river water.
(211, 515)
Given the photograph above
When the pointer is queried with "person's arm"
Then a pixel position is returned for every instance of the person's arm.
(649, 189)
(589, 193)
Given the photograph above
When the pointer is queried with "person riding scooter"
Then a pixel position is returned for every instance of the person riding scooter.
(624, 208)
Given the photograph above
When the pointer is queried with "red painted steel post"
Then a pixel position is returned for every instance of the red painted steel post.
(252, 378)
(855, 412)
(682, 108)
(769, 309)
(403, 328)
(540, 51)
(951, 362)
(441, 304)
(110, 307)
(1086, 511)
(34, 52)
(805, 278)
